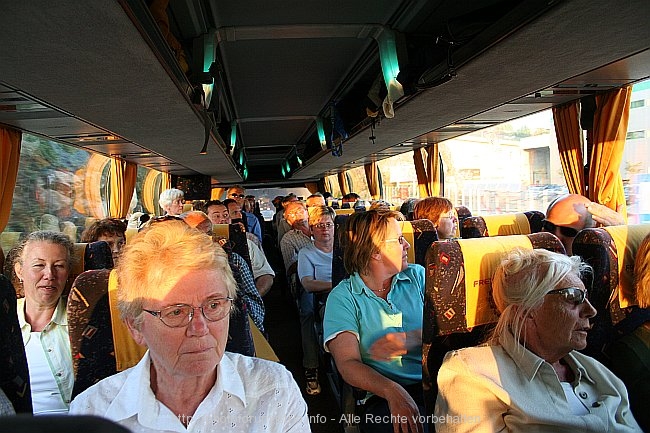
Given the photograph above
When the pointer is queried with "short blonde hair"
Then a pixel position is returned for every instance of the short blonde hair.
(363, 234)
(158, 257)
(642, 273)
(431, 208)
(318, 212)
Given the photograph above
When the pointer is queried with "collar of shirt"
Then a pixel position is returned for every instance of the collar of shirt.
(59, 317)
(358, 286)
(137, 398)
(530, 364)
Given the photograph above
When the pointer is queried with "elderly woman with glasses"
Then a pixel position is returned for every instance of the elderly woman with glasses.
(373, 322)
(175, 295)
(530, 377)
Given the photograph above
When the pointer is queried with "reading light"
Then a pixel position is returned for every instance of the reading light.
(321, 133)
(233, 136)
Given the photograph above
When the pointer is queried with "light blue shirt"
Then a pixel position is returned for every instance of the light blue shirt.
(353, 307)
(314, 263)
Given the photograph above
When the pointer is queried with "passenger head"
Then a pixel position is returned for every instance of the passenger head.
(351, 197)
(42, 264)
(440, 211)
(566, 216)
(408, 207)
(237, 193)
(315, 199)
(321, 223)
(234, 209)
(366, 234)
(143, 273)
(171, 201)
(176, 312)
(542, 301)
(642, 273)
(217, 212)
(109, 230)
(198, 220)
(288, 199)
(295, 212)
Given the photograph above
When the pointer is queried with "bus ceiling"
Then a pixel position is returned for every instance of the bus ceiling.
(264, 91)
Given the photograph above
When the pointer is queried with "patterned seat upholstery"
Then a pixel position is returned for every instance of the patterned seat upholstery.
(458, 306)
(14, 375)
(501, 225)
(611, 252)
(338, 270)
(91, 336)
(88, 256)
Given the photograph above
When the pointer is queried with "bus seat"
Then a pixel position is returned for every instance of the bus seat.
(463, 213)
(420, 234)
(521, 223)
(70, 230)
(87, 256)
(94, 327)
(344, 211)
(611, 252)
(14, 374)
(129, 233)
(236, 235)
(187, 207)
(8, 240)
(458, 307)
(338, 270)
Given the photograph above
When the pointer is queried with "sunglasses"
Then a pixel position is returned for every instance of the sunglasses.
(573, 295)
(234, 195)
(569, 232)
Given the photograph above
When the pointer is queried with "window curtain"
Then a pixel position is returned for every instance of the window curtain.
(327, 187)
(312, 187)
(165, 181)
(372, 177)
(610, 129)
(10, 141)
(92, 181)
(433, 170)
(149, 191)
(217, 193)
(569, 143)
(421, 173)
(123, 179)
(343, 183)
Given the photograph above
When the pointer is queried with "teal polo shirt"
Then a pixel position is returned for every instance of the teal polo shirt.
(353, 307)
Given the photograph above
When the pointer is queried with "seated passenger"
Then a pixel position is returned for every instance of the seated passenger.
(43, 265)
(109, 230)
(373, 322)
(171, 201)
(569, 214)
(530, 376)
(186, 380)
(6, 408)
(440, 211)
(630, 355)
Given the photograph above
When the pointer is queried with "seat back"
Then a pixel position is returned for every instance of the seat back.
(345, 211)
(338, 270)
(14, 375)
(458, 306)
(610, 251)
(94, 328)
(522, 223)
(88, 256)
(236, 235)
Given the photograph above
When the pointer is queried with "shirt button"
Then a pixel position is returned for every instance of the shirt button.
(49, 350)
(596, 404)
(583, 395)
(59, 374)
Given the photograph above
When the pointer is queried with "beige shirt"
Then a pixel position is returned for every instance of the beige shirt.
(509, 388)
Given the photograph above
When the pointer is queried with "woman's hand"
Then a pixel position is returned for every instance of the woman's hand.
(403, 410)
(394, 344)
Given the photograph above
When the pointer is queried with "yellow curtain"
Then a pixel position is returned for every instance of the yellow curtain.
(165, 181)
(372, 177)
(327, 186)
(217, 193)
(433, 170)
(569, 143)
(10, 140)
(149, 191)
(343, 183)
(123, 179)
(421, 173)
(92, 181)
(610, 128)
(312, 187)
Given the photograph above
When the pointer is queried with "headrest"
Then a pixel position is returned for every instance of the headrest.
(222, 230)
(187, 207)
(507, 224)
(409, 235)
(347, 211)
(129, 233)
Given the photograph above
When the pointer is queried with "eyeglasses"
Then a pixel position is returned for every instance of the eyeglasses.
(400, 239)
(573, 295)
(235, 195)
(324, 225)
(451, 217)
(566, 231)
(179, 315)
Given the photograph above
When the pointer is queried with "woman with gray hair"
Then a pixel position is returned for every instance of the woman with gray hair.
(530, 377)
(175, 294)
(171, 201)
(42, 266)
